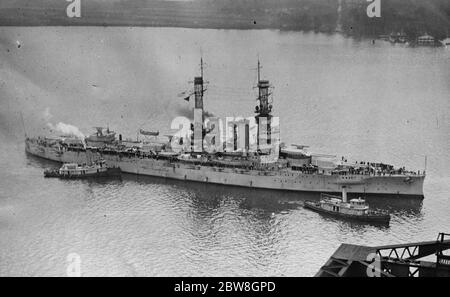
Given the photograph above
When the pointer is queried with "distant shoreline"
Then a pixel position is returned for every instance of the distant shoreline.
(168, 25)
(126, 25)
(172, 24)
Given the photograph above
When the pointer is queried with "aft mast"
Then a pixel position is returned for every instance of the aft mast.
(263, 112)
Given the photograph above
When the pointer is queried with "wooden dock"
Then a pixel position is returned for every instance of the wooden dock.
(402, 260)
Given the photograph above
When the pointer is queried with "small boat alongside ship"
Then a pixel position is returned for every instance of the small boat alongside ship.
(446, 42)
(148, 133)
(75, 171)
(355, 209)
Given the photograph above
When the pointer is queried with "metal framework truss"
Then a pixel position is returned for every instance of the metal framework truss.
(405, 259)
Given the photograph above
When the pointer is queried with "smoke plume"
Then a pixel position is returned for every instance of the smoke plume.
(67, 129)
(189, 113)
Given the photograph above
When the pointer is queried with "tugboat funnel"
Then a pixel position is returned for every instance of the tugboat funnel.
(344, 194)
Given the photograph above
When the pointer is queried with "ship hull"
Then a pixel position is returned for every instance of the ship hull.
(278, 179)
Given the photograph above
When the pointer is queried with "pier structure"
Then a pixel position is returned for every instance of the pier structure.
(399, 260)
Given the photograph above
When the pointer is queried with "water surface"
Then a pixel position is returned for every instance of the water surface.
(337, 95)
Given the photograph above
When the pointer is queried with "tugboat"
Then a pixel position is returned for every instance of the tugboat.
(74, 170)
(356, 209)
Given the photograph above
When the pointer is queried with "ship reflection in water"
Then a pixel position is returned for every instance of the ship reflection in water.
(271, 202)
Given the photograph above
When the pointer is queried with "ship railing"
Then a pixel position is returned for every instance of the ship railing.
(377, 212)
(377, 173)
(329, 196)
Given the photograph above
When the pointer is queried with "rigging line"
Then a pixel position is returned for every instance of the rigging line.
(145, 121)
(229, 87)
(23, 124)
(229, 92)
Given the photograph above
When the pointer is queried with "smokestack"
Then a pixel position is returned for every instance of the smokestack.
(244, 135)
(344, 194)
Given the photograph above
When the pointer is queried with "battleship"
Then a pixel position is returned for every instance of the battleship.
(255, 162)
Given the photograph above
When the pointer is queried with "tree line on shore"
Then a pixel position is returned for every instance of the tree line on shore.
(412, 17)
